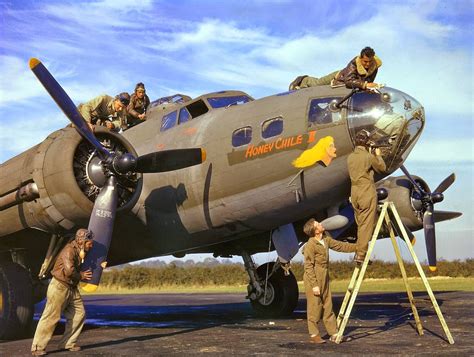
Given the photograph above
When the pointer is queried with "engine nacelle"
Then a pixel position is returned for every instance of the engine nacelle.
(406, 199)
(65, 170)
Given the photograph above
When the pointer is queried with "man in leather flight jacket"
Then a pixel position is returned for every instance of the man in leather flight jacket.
(63, 296)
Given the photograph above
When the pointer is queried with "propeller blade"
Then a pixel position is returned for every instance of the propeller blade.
(444, 185)
(430, 237)
(169, 160)
(66, 104)
(440, 216)
(101, 224)
(415, 185)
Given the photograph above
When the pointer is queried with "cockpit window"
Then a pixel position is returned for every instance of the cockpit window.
(272, 127)
(172, 99)
(184, 115)
(393, 118)
(168, 121)
(242, 136)
(319, 112)
(220, 102)
(197, 108)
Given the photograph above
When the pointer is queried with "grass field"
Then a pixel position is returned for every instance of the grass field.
(337, 286)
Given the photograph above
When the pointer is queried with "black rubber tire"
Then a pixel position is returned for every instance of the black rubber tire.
(285, 293)
(16, 301)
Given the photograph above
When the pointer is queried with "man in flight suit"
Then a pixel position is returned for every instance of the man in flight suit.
(316, 279)
(361, 165)
(106, 111)
(137, 107)
(63, 296)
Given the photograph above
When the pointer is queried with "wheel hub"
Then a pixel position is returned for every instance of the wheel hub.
(268, 295)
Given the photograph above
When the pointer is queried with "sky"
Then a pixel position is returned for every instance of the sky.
(195, 47)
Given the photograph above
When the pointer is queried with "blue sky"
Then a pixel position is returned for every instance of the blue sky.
(194, 47)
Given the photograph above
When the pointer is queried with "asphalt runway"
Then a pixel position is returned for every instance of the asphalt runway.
(223, 324)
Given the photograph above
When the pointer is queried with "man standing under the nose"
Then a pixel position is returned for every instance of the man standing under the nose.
(63, 296)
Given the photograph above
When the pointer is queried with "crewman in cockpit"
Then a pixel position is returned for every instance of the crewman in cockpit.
(362, 163)
(360, 72)
(106, 111)
(139, 102)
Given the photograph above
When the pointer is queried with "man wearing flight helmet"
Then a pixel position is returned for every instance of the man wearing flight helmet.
(63, 296)
(106, 111)
(136, 110)
(362, 163)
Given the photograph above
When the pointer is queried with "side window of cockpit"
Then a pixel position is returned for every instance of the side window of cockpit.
(184, 116)
(272, 127)
(319, 112)
(168, 121)
(242, 136)
(197, 108)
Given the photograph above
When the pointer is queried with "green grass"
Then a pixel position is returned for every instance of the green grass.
(337, 286)
(397, 285)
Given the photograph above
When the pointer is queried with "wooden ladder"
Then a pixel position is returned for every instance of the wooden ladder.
(359, 272)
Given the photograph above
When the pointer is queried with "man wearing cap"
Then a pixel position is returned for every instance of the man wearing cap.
(316, 279)
(362, 164)
(106, 111)
(63, 296)
(137, 107)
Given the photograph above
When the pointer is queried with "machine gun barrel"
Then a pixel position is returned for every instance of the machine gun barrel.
(25, 193)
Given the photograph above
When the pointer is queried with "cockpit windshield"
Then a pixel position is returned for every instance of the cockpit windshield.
(220, 102)
(393, 118)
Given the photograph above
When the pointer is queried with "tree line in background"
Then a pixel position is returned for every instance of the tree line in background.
(159, 274)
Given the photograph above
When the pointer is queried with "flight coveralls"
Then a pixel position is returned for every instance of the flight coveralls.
(62, 297)
(316, 263)
(102, 108)
(136, 107)
(361, 165)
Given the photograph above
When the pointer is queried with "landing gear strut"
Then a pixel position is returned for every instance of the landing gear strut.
(271, 291)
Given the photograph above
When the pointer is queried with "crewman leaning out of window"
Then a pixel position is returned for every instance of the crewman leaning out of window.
(106, 111)
(136, 110)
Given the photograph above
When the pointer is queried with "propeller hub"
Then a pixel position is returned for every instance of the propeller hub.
(437, 197)
(124, 163)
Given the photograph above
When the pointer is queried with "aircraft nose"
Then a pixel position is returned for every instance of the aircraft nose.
(394, 120)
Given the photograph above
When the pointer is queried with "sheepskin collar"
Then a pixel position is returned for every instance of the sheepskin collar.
(376, 63)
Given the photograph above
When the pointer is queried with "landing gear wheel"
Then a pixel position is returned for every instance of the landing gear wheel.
(281, 295)
(16, 301)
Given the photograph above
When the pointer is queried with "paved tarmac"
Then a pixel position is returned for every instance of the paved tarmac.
(223, 324)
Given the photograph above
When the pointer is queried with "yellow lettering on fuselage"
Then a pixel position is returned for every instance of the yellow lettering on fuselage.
(279, 144)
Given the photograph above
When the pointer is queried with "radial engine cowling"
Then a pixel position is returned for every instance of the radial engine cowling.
(406, 199)
(65, 170)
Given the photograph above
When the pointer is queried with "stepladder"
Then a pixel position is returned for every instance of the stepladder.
(393, 223)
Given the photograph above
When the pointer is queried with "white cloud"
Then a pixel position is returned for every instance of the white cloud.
(107, 46)
(18, 84)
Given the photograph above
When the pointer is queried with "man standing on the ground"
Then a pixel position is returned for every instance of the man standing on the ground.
(316, 279)
(361, 165)
(63, 296)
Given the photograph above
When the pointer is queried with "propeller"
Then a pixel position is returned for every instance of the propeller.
(102, 218)
(428, 199)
